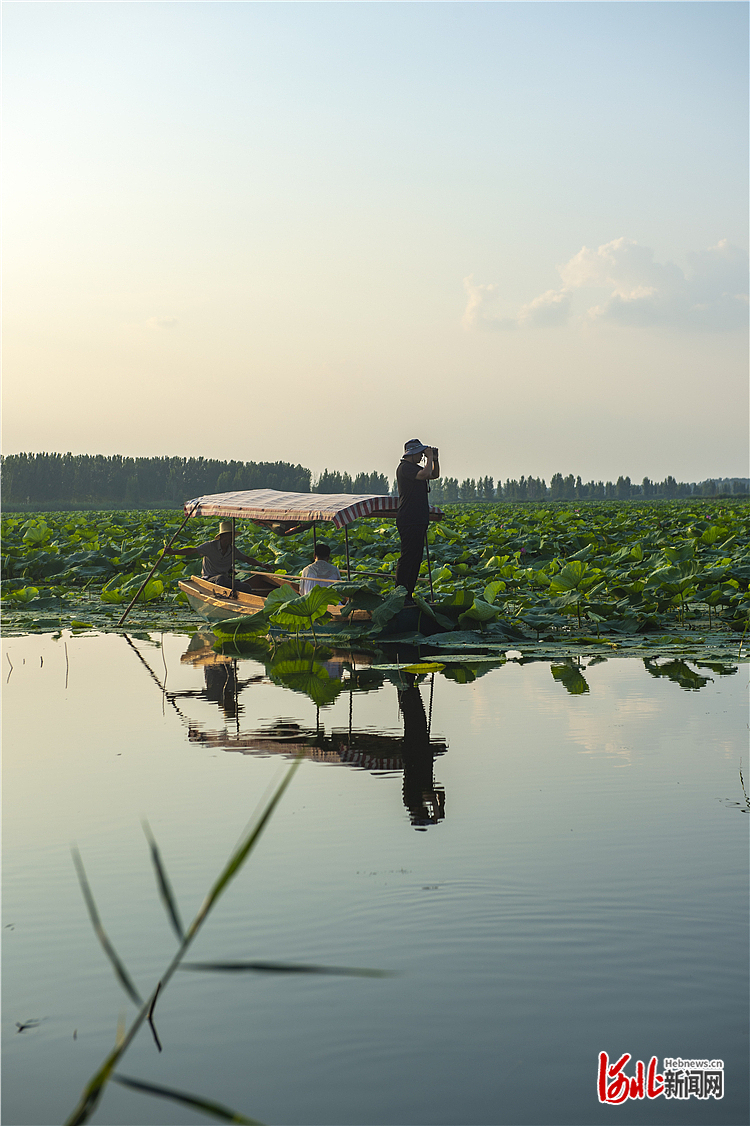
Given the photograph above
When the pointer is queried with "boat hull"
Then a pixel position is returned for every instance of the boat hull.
(218, 603)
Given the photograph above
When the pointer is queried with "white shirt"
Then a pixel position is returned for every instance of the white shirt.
(312, 574)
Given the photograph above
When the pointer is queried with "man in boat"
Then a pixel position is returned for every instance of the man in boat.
(320, 569)
(413, 509)
(217, 558)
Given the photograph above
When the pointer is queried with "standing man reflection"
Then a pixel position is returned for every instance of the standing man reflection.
(424, 800)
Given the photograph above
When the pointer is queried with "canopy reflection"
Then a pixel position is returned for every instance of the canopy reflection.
(322, 675)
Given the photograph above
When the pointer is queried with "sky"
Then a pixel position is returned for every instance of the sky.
(309, 232)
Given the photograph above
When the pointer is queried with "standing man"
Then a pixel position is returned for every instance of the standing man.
(413, 509)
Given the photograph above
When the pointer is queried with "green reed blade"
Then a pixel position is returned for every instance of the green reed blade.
(215, 1110)
(282, 968)
(122, 974)
(242, 852)
(93, 1091)
(165, 888)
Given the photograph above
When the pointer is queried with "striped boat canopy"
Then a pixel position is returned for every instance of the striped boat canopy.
(338, 509)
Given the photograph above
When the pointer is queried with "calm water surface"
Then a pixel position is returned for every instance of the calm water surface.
(546, 875)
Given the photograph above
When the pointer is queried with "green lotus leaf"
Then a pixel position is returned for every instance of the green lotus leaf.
(680, 554)
(309, 607)
(388, 609)
(574, 576)
(492, 590)
(25, 594)
(37, 533)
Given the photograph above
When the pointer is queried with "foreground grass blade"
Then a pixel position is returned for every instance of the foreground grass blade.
(215, 1110)
(122, 974)
(94, 1089)
(241, 853)
(165, 888)
(282, 968)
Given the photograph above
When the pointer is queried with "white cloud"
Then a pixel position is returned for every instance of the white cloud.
(550, 308)
(634, 290)
(162, 322)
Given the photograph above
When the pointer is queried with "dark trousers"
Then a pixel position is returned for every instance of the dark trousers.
(412, 546)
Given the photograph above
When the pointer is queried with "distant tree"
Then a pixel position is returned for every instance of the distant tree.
(557, 487)
(370, 483)
(329, 482)
(450, 490)
(534, 488)
(468, 489)
(623, 488)
(609, 490)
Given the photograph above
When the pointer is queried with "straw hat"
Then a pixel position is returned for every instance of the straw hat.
(224, 526)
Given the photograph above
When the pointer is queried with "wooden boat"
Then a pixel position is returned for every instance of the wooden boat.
(286, 513)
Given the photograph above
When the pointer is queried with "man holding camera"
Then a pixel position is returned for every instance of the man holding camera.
(413, 509)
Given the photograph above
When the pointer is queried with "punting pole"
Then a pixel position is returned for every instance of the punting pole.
(156, 564)
(346, 540)
(429, 569)
(429, 721)
(233, 579)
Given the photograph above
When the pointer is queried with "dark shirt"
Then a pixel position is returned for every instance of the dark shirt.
(413, 505)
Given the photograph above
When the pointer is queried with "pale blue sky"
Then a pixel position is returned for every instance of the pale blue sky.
(311, 231)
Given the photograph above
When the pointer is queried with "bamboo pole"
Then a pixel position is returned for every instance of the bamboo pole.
(234, 578)
(156, 564)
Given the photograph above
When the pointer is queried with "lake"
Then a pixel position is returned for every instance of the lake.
(549, 860)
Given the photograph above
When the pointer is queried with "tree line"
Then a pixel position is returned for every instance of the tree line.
(70, 479)
(447, 490)
(52, 479)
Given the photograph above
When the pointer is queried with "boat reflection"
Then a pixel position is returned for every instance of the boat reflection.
(303, 669)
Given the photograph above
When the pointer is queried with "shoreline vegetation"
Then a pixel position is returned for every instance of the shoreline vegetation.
(53, 482)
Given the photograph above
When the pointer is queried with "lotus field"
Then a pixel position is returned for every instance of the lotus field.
(526, 572)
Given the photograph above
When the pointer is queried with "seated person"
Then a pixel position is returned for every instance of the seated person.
(320, 569)
(217, 558)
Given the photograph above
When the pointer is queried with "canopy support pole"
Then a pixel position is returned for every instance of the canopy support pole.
(346, 540)
(233, 579)
(156, 564)
(429, 569)
(315, 538)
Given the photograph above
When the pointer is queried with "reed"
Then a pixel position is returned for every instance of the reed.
(94, 1089)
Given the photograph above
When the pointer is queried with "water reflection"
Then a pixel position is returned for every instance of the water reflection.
(679, 672)
(424, 800)
(322, 675)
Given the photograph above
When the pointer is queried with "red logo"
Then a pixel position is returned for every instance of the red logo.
(615, 1086)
